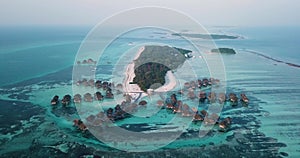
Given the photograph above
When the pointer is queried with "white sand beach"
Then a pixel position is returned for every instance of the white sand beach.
(168, 85)
(134, 90)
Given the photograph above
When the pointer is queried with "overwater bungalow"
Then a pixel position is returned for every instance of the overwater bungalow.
(191, 94)
(91, 61)
(211, 119)
(55, 100)
(199, 83)
(202, 97)
(222, 98)
(212, 97)
(205, 82)
(173, 99)
(66, 100)
(203, 113)
(187, 85)
(186, 111)
(91, 82)
(170, 106)
(98, 84)
(84, 82)
(119, 113)
(77, 98)
(88, 97)
(105, 85)
(78, 83)
(84, 61)
(233, 99)
(225, 124)
(109, 94)
(193, 85)
(79, 124)
(178, 107)
(110, 114)
(198, 117)
(98, 96)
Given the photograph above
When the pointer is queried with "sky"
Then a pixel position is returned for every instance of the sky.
(206, 12)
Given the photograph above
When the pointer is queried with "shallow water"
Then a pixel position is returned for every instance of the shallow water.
(269, 126)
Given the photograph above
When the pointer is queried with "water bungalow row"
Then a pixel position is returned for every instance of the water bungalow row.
(177, 106)
(87, 61)
(77, 98)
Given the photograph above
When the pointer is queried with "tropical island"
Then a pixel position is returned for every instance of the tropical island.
(206, 36)
(151, 66)
(224, 51)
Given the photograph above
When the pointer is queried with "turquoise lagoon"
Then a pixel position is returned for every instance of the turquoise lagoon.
(37, 64)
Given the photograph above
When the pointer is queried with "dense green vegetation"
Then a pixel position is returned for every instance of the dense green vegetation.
(224, 51)
(154, 62)
(150, 75)
(205, 36)
(165, 55)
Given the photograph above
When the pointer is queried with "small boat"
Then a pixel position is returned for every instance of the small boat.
(143, 103)
(244, 98)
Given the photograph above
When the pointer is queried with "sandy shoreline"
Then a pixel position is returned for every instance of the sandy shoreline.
(134, 90)
(168, 85)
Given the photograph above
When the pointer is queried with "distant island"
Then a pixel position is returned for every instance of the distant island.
(224, 51)
(153, 64)
(206, 36)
